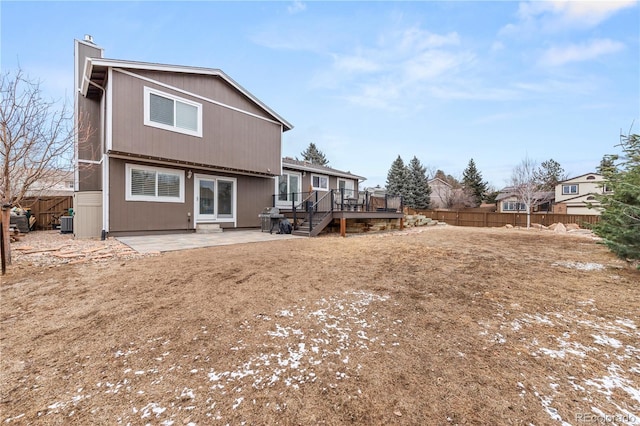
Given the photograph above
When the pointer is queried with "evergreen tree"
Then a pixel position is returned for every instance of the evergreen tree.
(607, 164)
(619, 224)
(550, 173)
(455, 183)
(418, 191)
(313, 155)
(397, 178)
(473, 183)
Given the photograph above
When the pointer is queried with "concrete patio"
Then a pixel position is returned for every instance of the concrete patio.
(172, 242)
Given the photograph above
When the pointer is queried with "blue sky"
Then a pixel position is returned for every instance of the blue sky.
(368, 81)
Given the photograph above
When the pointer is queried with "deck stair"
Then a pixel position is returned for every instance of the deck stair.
(319, 223)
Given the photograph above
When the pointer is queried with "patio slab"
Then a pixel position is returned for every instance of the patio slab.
(173, 242)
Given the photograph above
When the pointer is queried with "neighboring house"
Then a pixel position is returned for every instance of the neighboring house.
(442, 194)
(300, 178)
(50, 183)
(376, 191)
(572, 195)
(174, 147)
(508, 201)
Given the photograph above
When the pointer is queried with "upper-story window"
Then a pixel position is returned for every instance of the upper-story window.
(320, 183)
(171, 112)
(569, 189)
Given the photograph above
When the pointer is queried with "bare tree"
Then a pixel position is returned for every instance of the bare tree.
(37, 142)
(527, 185)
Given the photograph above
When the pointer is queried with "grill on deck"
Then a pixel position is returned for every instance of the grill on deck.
(270, 218)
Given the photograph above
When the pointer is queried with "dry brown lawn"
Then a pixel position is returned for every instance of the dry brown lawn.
(441, 327)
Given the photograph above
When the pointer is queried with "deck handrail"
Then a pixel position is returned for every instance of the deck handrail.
(342, 200)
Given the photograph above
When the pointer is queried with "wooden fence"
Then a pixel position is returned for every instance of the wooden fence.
(47, 210)
(492, 219)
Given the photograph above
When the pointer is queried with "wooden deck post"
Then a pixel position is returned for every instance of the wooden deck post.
(343, 227)
(401, 223)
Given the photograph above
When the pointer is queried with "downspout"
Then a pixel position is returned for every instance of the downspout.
(105, 162)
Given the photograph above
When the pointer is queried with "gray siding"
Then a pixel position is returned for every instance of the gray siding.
(90, 177)
(88, 119)
(231, 139)
(134, 217)
(211, 87)
(333, 181)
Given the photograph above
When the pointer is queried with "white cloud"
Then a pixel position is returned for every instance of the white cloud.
(412, 39)
(433, 64)
(355, 64)
(296, 6)
(397, 68)
(555, 15)
(497, 46)
(557, 56)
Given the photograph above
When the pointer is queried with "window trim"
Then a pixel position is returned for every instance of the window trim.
(148, 198)
(566, 189)
(277, 188)
(215, 217)
(318, 188)
(506, 204)
(349, 187)
(148, 91)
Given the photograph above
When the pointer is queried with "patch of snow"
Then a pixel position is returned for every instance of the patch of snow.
(580, 266)
(152, 408)
(606, 341)
(237, 402)
(10, 419)
(627, 323)
(187, 393)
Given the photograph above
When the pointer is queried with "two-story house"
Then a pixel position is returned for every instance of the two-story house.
(573, 195)
(170, 148)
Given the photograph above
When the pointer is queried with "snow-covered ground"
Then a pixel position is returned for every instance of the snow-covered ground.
(341, 327)
(604, 351)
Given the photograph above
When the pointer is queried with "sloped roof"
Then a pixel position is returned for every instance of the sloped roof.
(95, 70)
(509, 192)
(581, 176)
(579, 199)
(290, 163)
(437, 179)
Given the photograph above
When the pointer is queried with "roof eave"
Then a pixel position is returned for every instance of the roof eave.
(115, 63)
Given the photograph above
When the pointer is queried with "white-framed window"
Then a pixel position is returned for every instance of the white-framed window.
(348, 186)
(569, 189)
(170, 112)
(288, 187)
(513, 206)
(146, 183)
(320, 182)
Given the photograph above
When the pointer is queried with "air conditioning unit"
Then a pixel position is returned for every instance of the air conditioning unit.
(66, 224)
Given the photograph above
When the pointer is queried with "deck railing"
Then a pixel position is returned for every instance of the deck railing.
(312, 205)
(341, 200)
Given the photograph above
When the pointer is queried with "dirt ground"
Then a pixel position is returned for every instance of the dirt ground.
(433, 326)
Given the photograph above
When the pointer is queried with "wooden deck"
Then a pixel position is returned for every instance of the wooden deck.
(319, 209)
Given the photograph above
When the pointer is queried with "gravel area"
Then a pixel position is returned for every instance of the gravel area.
(52, 248)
